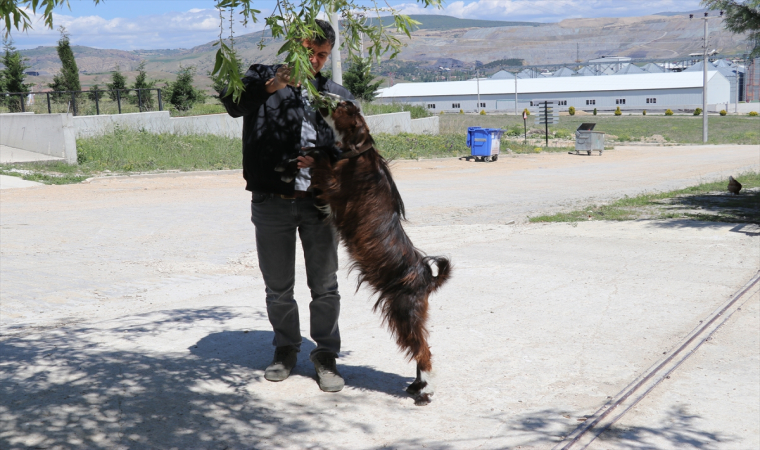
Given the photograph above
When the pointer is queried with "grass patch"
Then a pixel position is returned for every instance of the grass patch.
(680, 129)
(709, 202)
(373, 109)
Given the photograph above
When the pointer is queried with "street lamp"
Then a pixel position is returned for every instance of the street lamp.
(704, 76)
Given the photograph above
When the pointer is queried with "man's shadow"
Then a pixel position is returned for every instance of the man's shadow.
(253, 350)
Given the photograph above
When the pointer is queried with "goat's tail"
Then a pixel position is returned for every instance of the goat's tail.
(443, 266)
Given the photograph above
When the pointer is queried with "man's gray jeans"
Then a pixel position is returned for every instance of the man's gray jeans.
(277, 220)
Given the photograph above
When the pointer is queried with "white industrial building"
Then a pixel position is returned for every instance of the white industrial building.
(650, 91)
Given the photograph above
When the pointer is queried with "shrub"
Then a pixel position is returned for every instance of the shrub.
(482, 112)
(537, 149)
(562, 133)
(527, 113)
(723, 112)
(698, 111)
(618, 112)
(624, 137)
(441, 112)
(594, 111)
(644, 113)
(753, 113)
(668, 112)
(182, 94)
(571, 110)
(461, 111)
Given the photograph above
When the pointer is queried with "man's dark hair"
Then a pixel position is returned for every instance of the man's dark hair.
(327, 30)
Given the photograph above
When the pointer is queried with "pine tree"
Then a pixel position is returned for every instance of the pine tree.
(181, 93)
(358, 80)
(144, 97)
(93, 93)
(12, 77)
(68, 77)
(118, 81)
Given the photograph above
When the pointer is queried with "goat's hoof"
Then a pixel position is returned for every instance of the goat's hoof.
(415, 387)
(423, 399)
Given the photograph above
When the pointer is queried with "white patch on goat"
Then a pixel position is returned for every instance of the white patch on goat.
(338, 134)
(427, 377)
(433, 267)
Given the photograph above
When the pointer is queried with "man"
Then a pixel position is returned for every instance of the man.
(278, 121)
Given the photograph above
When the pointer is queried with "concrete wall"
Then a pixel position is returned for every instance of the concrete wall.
(224, 125)
(49, 134)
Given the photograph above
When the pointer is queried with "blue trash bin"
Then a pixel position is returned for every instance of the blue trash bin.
(484, 142)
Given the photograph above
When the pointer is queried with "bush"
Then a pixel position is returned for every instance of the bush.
(644, 113)
(594, 111)
(753, 113)
(698, 111)
(461, 111)
(668, 112)
(181, 94)
(618, 112)
(723, 112)
(571, 110)
(482, 112)
(562, 133)
(527, 113)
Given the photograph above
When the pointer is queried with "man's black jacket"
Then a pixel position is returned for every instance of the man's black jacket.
(272, 126)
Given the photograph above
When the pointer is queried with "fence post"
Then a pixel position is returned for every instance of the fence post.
(47, 94)
(139, 100)
(118, 99)
(23, 106)
(97, 105)
(160, 105)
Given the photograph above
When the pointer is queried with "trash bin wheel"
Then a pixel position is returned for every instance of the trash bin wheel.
(486, 158)
(588, 153)
(494, 157)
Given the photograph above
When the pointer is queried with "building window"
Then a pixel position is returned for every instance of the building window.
(620, 101)
(455, 105)
(562, 103)
(590, 102)
(531, 104)
(482, 105)
(431, 106)
(651, 100)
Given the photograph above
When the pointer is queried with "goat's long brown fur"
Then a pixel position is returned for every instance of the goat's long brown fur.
(368, 211)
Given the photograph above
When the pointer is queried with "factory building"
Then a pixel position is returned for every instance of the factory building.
(633, 92)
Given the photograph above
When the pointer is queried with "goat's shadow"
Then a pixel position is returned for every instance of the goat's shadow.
(253, 350)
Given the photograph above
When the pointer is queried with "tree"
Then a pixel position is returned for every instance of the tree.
(292, 21)
(93, 93)
(218, 82)
(358, 80)
(181, 92)
(118, 81)
(143, 97)
(13, 76)
(740, 17)
(68, 77)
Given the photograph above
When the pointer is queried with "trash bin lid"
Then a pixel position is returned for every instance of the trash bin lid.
(586, 127)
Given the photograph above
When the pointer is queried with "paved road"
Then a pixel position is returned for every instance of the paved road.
(132, 315)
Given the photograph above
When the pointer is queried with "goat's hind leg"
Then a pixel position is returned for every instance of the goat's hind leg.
(422, 388)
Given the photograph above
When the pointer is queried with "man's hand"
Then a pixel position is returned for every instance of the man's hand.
(280, 80)
(304, 162)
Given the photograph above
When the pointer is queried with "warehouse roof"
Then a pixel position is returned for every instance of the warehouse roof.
(645, 81)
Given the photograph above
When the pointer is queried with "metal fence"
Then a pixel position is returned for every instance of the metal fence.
(83, 103)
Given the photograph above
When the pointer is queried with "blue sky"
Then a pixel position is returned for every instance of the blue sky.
(157, 24)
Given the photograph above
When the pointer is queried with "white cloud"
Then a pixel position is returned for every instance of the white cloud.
(170, 30)
(549, 10)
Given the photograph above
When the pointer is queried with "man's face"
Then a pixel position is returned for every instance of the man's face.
(319, 54)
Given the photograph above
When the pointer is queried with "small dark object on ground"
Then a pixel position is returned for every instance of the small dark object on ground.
(734, 186)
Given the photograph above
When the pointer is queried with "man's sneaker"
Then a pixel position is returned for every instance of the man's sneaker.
(328, 377)
(283, 362)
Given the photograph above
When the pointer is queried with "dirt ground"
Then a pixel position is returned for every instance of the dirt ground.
(132, 314)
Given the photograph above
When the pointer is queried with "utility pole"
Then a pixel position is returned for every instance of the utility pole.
(704, 76)
(337, 71)
(515, 93)
(477, 78)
